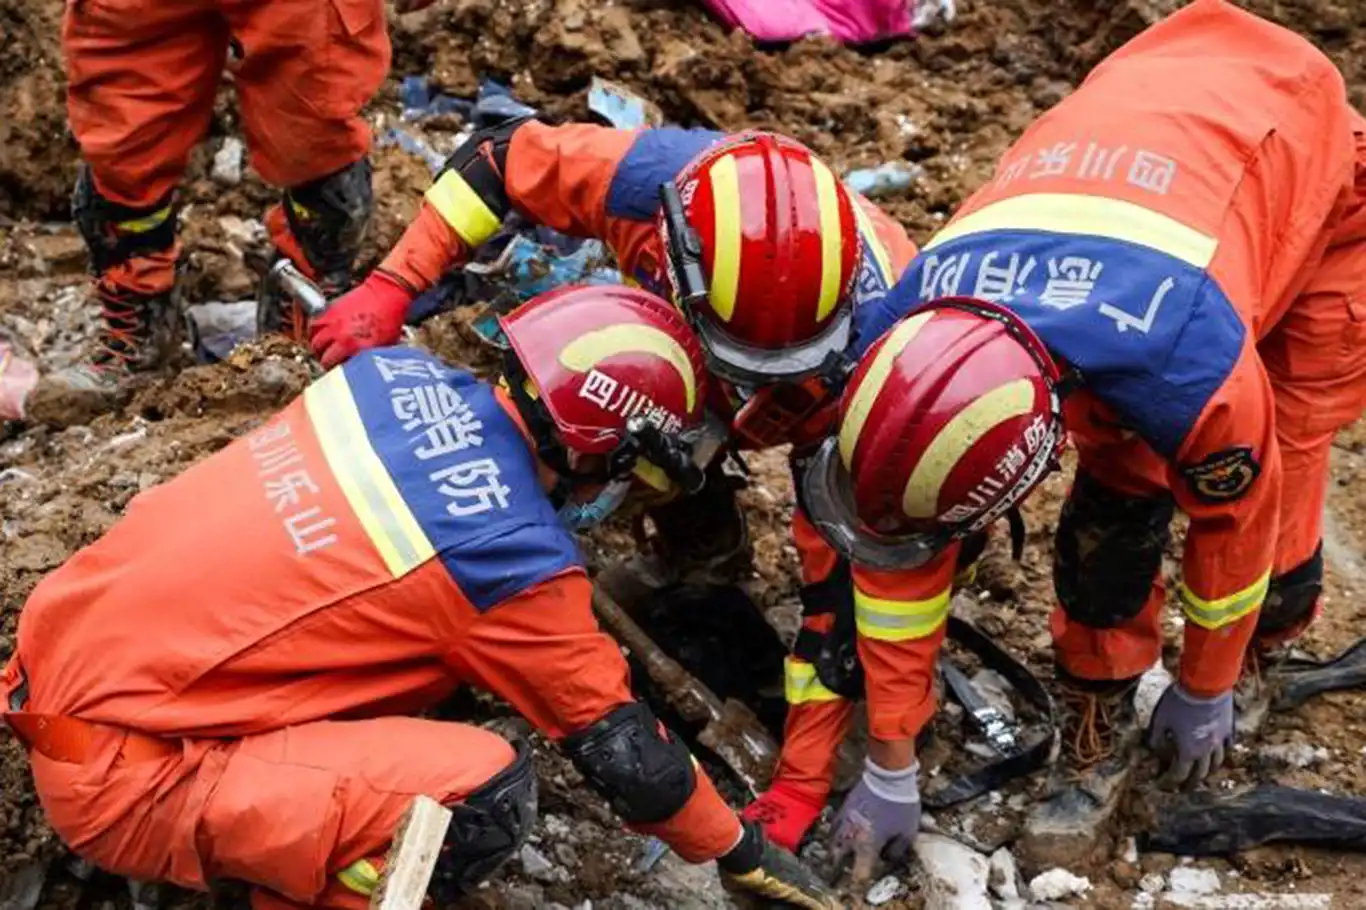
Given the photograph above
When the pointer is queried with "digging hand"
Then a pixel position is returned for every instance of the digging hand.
(1190, 734)
(760, 870)
(785, 812)
(368, 316)
(882, 810)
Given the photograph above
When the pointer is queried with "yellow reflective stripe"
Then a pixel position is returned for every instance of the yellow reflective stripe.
(725, 258)
(1094, 216)
(1214, 614)
(861, 402)
(802, 685)
(965, 576)
(362, 877)
(955, 438)
(379, 506)
(460, 206)
(832, 239)
(146, 223)
(899, 620)
(874, 243)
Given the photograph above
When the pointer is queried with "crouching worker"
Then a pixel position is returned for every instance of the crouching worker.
(220, 687)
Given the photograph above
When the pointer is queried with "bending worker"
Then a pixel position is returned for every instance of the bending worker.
(779, 268)
(1167, 266)
(400, 529)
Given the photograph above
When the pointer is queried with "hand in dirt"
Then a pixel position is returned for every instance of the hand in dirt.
(1190, 734)
(411, 6)
(881, 813)
(761, 874)
(786, 812)
(368, 316)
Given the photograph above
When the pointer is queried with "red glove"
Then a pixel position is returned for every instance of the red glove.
(368, 316)
(785, 812)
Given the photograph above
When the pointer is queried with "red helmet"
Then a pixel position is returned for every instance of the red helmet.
(607, 370)
(950, 419)
(774, 250)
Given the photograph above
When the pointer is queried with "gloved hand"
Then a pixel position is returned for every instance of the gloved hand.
(1191, 734)
(758, 869)
(882, 809)
(367, 316)
(785, 812)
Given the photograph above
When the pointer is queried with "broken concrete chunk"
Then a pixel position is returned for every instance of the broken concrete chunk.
(886, 889)
(1150, 688)
(1152, 883)
(1055, 884)
(1190, 880)
(535, 864)
(1003, 875)
(227, 162)
(955, 877)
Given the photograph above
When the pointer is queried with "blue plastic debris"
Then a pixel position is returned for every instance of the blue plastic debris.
(420, 103)
(414, 145)
(620, 106)
(883, 179)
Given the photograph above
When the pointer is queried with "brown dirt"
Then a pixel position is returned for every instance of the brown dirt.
(950, 102)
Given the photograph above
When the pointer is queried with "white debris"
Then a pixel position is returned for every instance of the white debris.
(1130, 854)
(1249, 901)
(535, 864)
(244, 232)
(227, 162)
(1055, 884)
(886, 889)
(993, 687)
(1150, 688)
(1191, 880)
(1152, 883)
(1294, 755)
(955, 876)
(1003, 875)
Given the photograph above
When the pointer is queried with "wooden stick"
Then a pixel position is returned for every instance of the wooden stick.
(412, 859)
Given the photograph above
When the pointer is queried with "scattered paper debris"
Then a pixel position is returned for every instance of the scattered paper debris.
(1192, 880)
(955, 876)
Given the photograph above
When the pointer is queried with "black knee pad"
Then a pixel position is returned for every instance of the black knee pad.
(1292, 596)
(1108, 550)
(646, 775)
(487, 828)
(115, 233)
(834, 653)
(329, 218)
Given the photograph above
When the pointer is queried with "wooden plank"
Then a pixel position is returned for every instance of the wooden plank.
(412, 859)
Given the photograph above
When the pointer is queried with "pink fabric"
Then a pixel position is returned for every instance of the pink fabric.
(785, 20)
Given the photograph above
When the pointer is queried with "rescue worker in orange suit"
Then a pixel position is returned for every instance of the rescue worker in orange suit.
(779, 267)
(141, 81)
(398, 530)
(1167, 265)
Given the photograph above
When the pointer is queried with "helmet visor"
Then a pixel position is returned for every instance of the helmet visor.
(827, 495)
(737, 362)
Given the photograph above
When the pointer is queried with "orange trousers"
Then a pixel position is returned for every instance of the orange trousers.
(142, 76)
(1315, 357)
(283, 811)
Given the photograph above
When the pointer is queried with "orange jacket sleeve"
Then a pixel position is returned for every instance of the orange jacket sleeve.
(543, 652)
(1227, 478)
(558, 176)
(901, 618)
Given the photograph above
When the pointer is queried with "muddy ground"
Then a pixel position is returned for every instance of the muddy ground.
(949, 102)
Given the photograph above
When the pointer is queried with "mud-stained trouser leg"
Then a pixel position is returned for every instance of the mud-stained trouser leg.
(1107, 569)
(1316, 360)
(298, 813)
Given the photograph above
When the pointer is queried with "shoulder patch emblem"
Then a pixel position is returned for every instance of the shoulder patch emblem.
(1223, 476)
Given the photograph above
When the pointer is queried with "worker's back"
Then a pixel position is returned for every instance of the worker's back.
(325, 564)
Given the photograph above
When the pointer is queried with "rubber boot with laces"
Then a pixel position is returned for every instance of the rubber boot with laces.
(137, 334)
(1099, 751)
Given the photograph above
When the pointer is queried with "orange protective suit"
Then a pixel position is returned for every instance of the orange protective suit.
(1186, 231)
(592, 181)
(142, 76)
(211, 687)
